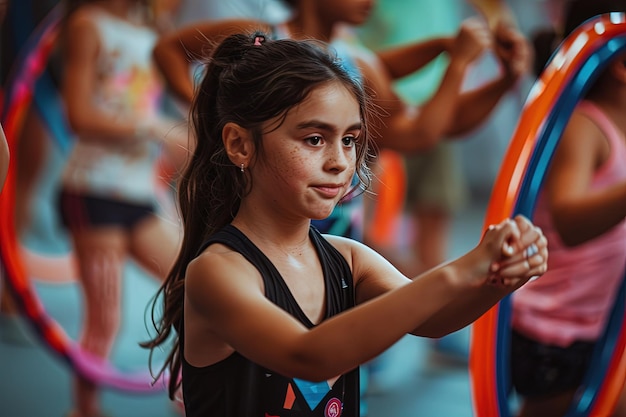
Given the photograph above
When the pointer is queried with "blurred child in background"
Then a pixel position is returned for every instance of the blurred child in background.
(558, 319)
(108, 196)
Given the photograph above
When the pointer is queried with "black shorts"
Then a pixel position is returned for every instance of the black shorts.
(539, 370)
(79, 211)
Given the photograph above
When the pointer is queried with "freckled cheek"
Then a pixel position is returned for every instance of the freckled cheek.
(353, 157)
(352, 160)
(289, 168)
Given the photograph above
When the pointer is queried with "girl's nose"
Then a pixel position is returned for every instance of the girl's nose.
(339, 157)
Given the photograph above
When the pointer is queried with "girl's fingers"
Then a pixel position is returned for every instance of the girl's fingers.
(502, 235)
(533, 256)
(524, 253)
(538, 248)
(531, 274)
(523, 235)
(528, 267)
(529, 232)
(516, 275)
(530, 235)
(516, 269)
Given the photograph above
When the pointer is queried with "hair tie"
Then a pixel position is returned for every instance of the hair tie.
(258, 40)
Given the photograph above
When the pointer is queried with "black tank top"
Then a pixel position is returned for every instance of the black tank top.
(237, 387)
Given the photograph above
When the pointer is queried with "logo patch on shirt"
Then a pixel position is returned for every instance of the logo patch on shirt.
(333, 408)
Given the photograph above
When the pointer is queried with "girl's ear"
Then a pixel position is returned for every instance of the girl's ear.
(238, 144)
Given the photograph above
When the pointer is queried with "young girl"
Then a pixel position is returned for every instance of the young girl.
(558, 319)
(108, 193)
(268, 316)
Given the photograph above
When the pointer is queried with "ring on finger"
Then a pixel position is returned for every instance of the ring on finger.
(531, 251)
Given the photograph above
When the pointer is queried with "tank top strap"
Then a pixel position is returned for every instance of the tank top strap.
(337, 273)
(615, 137)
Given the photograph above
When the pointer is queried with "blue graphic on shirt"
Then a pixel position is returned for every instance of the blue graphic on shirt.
(313, 392)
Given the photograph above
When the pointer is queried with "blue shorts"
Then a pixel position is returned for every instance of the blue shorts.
(81, 211)
(539, 370)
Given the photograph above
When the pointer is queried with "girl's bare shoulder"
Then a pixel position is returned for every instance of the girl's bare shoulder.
(218, 261)
(355, 252)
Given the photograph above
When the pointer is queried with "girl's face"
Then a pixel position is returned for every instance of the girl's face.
(354, 12)
(308, 163)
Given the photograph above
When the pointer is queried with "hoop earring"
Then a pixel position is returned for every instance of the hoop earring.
(242, 167)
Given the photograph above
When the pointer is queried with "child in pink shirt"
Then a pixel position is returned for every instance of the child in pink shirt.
(558, 318)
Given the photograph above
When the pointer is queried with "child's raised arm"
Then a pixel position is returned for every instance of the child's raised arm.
(476, 105)
(580, 214)
(449, 111)
(416, 128)
(404, 60)
(175, 52)
(81, 48)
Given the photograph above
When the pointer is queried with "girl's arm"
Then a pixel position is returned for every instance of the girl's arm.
(476, 105)
(475, 301)
(80, 78)
(412, 129)
(82, 44)
(176, 51)
(579, 214)
(450, 111)
(404, 60)
(227, 293)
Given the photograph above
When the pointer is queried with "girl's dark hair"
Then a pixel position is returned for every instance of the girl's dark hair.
(579, 11)
(576, 12)
(248, 80)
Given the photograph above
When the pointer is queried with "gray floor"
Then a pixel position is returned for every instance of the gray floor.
(411, 379)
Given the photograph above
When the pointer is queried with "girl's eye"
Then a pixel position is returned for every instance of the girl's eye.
(349, 140)
(314, 140)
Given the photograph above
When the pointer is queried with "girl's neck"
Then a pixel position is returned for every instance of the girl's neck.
(124, 9)
(306, 23)
(272, 232)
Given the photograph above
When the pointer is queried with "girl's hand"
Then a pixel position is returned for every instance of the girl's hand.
(176, 139)
(157, 129)
(513, 51)
(525, 256)
(472, 39)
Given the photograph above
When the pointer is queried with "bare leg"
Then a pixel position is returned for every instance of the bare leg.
(155, 243)
(431, 242)
(101, 255)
